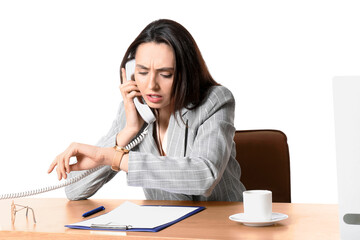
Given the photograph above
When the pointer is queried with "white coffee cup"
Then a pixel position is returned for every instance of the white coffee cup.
(257, 205)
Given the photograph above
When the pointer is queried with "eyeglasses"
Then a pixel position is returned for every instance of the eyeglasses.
(20, 207)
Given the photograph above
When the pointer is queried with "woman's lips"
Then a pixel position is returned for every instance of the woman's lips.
(154, 98)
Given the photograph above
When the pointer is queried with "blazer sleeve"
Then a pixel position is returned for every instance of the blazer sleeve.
(89, 185)
(200, 171)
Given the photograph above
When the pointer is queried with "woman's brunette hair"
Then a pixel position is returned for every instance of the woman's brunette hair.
(192, 79)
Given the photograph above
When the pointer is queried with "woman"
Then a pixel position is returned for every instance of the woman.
(189, 153)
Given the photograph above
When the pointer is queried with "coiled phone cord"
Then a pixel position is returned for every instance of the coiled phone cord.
(70, 181)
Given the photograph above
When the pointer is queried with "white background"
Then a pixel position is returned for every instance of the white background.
(59, 63)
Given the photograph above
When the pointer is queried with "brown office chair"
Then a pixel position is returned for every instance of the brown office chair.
(264, 159)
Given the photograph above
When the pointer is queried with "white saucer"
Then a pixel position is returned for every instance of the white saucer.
(275, 217)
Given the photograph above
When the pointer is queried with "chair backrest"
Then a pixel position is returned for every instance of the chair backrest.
(264, 160)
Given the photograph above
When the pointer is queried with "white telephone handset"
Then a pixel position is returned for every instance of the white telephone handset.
(143, 109)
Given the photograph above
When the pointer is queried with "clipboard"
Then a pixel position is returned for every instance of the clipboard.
(138, 218)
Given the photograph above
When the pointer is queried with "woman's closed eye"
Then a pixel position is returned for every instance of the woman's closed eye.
(166, 75)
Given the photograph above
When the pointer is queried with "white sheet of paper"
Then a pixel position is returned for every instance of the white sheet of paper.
(137, 216)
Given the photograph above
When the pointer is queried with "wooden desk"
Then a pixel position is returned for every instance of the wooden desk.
(306, 221)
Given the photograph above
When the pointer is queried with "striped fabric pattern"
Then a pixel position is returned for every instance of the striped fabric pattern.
(200, 162)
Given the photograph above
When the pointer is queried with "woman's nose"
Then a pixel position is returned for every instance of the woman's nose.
(153, 84)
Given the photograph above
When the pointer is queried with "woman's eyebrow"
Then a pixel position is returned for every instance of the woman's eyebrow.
(159, 69)
(165, 69)
(142, 66)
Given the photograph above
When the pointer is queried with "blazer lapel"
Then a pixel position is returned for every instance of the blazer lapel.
(148, 145)
(177, 135)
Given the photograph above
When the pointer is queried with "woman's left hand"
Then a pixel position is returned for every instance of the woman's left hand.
(87, 156)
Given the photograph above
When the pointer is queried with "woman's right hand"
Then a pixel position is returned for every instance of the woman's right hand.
(129, 91)
(87, 156)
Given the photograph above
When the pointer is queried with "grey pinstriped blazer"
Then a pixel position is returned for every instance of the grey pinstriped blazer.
(200, 162)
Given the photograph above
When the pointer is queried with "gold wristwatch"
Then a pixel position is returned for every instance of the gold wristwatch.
(119, 153)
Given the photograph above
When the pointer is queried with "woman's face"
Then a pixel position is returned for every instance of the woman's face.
(154, 73)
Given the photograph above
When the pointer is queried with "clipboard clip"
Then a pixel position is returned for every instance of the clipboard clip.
(111, 226)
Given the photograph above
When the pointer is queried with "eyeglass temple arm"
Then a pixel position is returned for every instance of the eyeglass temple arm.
(27, 210)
